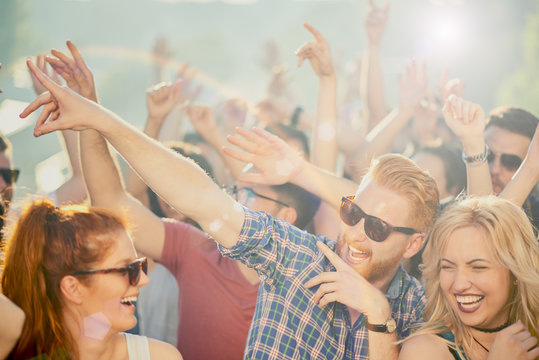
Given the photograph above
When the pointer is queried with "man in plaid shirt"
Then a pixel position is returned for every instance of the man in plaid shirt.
(328, 300)
(344, 299)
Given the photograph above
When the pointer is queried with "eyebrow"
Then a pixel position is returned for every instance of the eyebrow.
(467, 263)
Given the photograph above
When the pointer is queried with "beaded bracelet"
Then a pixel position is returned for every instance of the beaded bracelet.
(476, 160)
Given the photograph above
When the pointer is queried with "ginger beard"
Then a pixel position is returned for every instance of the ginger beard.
(374, 267)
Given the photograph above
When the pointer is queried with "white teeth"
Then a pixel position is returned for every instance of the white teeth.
(468, 299)
(356, 254)
(129, 299)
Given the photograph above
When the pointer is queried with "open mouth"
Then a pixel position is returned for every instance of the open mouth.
(469, 303)
(129, 300)
(356, 255)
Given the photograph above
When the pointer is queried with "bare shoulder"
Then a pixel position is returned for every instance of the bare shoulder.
(163, 350)
(14, 316)
(425, 347)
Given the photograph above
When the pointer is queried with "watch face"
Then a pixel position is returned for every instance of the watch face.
(391, 325)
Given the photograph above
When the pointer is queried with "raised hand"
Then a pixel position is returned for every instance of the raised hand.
(414, 88)
(161, 99)
(62, 108)
(275, 161)
(514, 342)
(202, 119)
(74, 71)
(317, 52)
(42, 65)
(347, 286)
(448, 87)
(465, 119)
(425, 120)
(376, 21)
(190, 92)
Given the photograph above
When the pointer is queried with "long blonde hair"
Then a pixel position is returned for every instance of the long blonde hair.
(511, 240)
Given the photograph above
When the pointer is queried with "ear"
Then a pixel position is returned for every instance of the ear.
(71, 289)
(415, 244)
(288, 214)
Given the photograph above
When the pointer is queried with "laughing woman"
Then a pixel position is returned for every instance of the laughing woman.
(481, 267)
(74, 273)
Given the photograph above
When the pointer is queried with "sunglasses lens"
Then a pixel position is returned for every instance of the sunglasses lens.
(134, 271)
(510, 162)
(490, 157)
(9, 175)
(350, 214)
(376, 229)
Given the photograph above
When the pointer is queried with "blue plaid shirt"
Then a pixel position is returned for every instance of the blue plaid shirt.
(287, 324)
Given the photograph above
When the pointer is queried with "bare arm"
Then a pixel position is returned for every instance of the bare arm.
(424, 347)
(467, 121)
(13, 322)
(160, 100)
(527, 175)
(372, 84)
(380, 138)
(177, 179)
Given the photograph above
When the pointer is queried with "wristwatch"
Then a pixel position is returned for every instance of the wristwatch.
(389, 327)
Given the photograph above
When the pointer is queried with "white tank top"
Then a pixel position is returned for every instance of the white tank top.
(137, 347)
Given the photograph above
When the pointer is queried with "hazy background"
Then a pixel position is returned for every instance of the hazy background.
(492, 44)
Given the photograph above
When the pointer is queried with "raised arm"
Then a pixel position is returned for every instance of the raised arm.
(378, 141)
(73, 190)
(177, 179)
(372, 84)
(527, 175)
(324, 144)
(467, 121)
(160, 100)
(277, 163)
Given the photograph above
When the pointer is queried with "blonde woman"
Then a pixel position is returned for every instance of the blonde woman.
(481, 267)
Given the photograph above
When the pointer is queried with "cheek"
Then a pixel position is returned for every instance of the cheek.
(446, 281)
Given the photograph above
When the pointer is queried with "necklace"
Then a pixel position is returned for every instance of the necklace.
(496, 329)
(477, 341)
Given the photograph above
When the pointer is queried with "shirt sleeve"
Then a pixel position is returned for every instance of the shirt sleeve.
(271, 246)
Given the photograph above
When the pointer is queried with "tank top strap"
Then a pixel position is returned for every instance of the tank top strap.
(138, 347)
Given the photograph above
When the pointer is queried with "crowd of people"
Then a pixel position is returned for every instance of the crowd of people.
(350, 233)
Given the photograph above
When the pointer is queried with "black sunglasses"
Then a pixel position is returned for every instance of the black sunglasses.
(508, 161)
(245, 194)
(133, 270)
(9, 175)
(375, 228)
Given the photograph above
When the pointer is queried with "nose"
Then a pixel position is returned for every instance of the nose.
(461, 281)
(495, 166)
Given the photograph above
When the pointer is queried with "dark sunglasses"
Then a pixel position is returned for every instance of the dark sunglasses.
(245, 195)
(9, 175)
(508, 161)
(375, 228)
(133, 270)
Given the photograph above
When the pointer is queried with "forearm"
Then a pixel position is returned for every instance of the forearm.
(522, 183)
(73, 190)
(477, 175)
(133, 183)
(324, 146)
(382, 346)
(328, 186)
(177, 179)
(379, 140)
(374, 86)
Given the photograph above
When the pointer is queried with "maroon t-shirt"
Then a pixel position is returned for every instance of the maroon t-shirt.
(216, 302)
